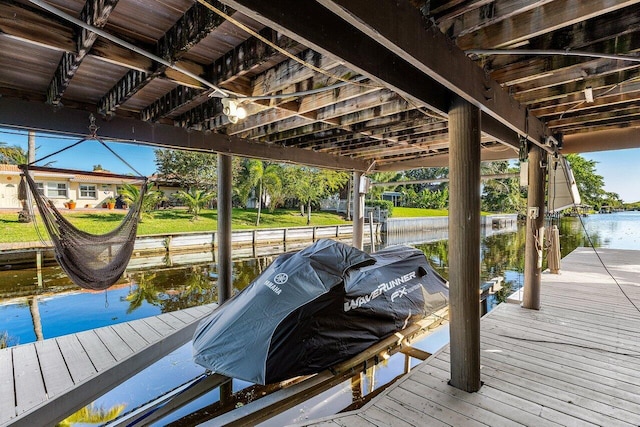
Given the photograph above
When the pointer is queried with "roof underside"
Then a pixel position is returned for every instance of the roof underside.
(403, 61)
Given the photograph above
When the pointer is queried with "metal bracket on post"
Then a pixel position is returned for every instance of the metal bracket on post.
(523, 153)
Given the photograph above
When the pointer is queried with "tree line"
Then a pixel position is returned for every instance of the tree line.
(273, 185)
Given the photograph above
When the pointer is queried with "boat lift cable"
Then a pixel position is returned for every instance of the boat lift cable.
(605, 266)
(591, 244)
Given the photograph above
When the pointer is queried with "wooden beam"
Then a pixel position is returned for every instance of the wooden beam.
(41, 117)
(621, 113)
(34, 26)
(193, 26)
(611, 139)
(407, 37)
(442, 160)
(464, 245)
(485, 14)
(600, 84)
(273, 80)
(94, 13)
(241, 59)
(321, 30)
(541, 20)
(331, 110)
(128, 85)
(625, 94)
(608, 33)
(169, 102)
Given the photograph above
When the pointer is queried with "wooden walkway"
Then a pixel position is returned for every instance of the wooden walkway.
(573, 363)
(55, 377)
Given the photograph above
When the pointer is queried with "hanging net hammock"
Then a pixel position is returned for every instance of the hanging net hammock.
(91, 261)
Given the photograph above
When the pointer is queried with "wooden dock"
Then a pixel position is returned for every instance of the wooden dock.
(55, 377)
(573, 363)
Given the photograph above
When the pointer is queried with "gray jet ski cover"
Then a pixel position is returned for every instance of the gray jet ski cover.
(312, 309)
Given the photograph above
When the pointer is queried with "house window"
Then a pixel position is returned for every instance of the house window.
(88, 192)
(53, 190)
(40, 187)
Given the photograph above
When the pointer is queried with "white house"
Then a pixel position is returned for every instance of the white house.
(86, 189)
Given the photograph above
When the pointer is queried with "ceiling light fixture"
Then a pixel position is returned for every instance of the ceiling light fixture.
(233, 110)
(588, 94)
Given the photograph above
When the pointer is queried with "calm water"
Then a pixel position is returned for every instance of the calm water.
(59, 308)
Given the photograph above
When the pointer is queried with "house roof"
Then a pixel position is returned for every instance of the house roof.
(76, 176)
(389, 71)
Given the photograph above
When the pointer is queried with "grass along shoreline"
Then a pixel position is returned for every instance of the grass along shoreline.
(179, 221)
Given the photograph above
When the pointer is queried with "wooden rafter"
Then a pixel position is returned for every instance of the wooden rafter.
(192, 27)
(409, 39)
(241, 59)
(543, 19)
(94, 13)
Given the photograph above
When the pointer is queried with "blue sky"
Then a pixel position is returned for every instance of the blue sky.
(620, 168)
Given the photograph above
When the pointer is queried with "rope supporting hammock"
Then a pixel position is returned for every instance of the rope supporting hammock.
(92, 261)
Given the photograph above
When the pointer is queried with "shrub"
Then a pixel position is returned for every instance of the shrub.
(382, 204)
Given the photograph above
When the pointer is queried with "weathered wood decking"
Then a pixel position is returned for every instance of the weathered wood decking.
(573, 363)
(43, 382)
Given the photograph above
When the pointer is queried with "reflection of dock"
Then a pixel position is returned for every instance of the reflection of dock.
(55, 377)
(574, 362)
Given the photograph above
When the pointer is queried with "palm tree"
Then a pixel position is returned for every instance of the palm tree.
(253, 180)
(195, 200)
(15, 155)
(272, 183)
(131, 194)
(12, 154)
(144, 291)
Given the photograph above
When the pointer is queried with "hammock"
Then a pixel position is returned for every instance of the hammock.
(91, 261)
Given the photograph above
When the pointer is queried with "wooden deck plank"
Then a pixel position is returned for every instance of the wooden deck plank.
(550, 409)
(116, 345)
(7, 394)
(504, 404)
(161, 327)
(574, 371)
(185, 315)
(55, 373)
(562, 341)
(145, 331)
(557, 398)
(29, 386)
(96, 361)
(130, 335)
(97, 351)
(390, 413)
(76, 358)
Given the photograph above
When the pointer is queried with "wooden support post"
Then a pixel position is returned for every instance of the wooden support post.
(358, 211)
(464, 244)
(225, 270)
(535, 230)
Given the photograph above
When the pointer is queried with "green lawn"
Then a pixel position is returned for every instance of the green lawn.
(179, 221)
(399, 212)
(166, 221)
